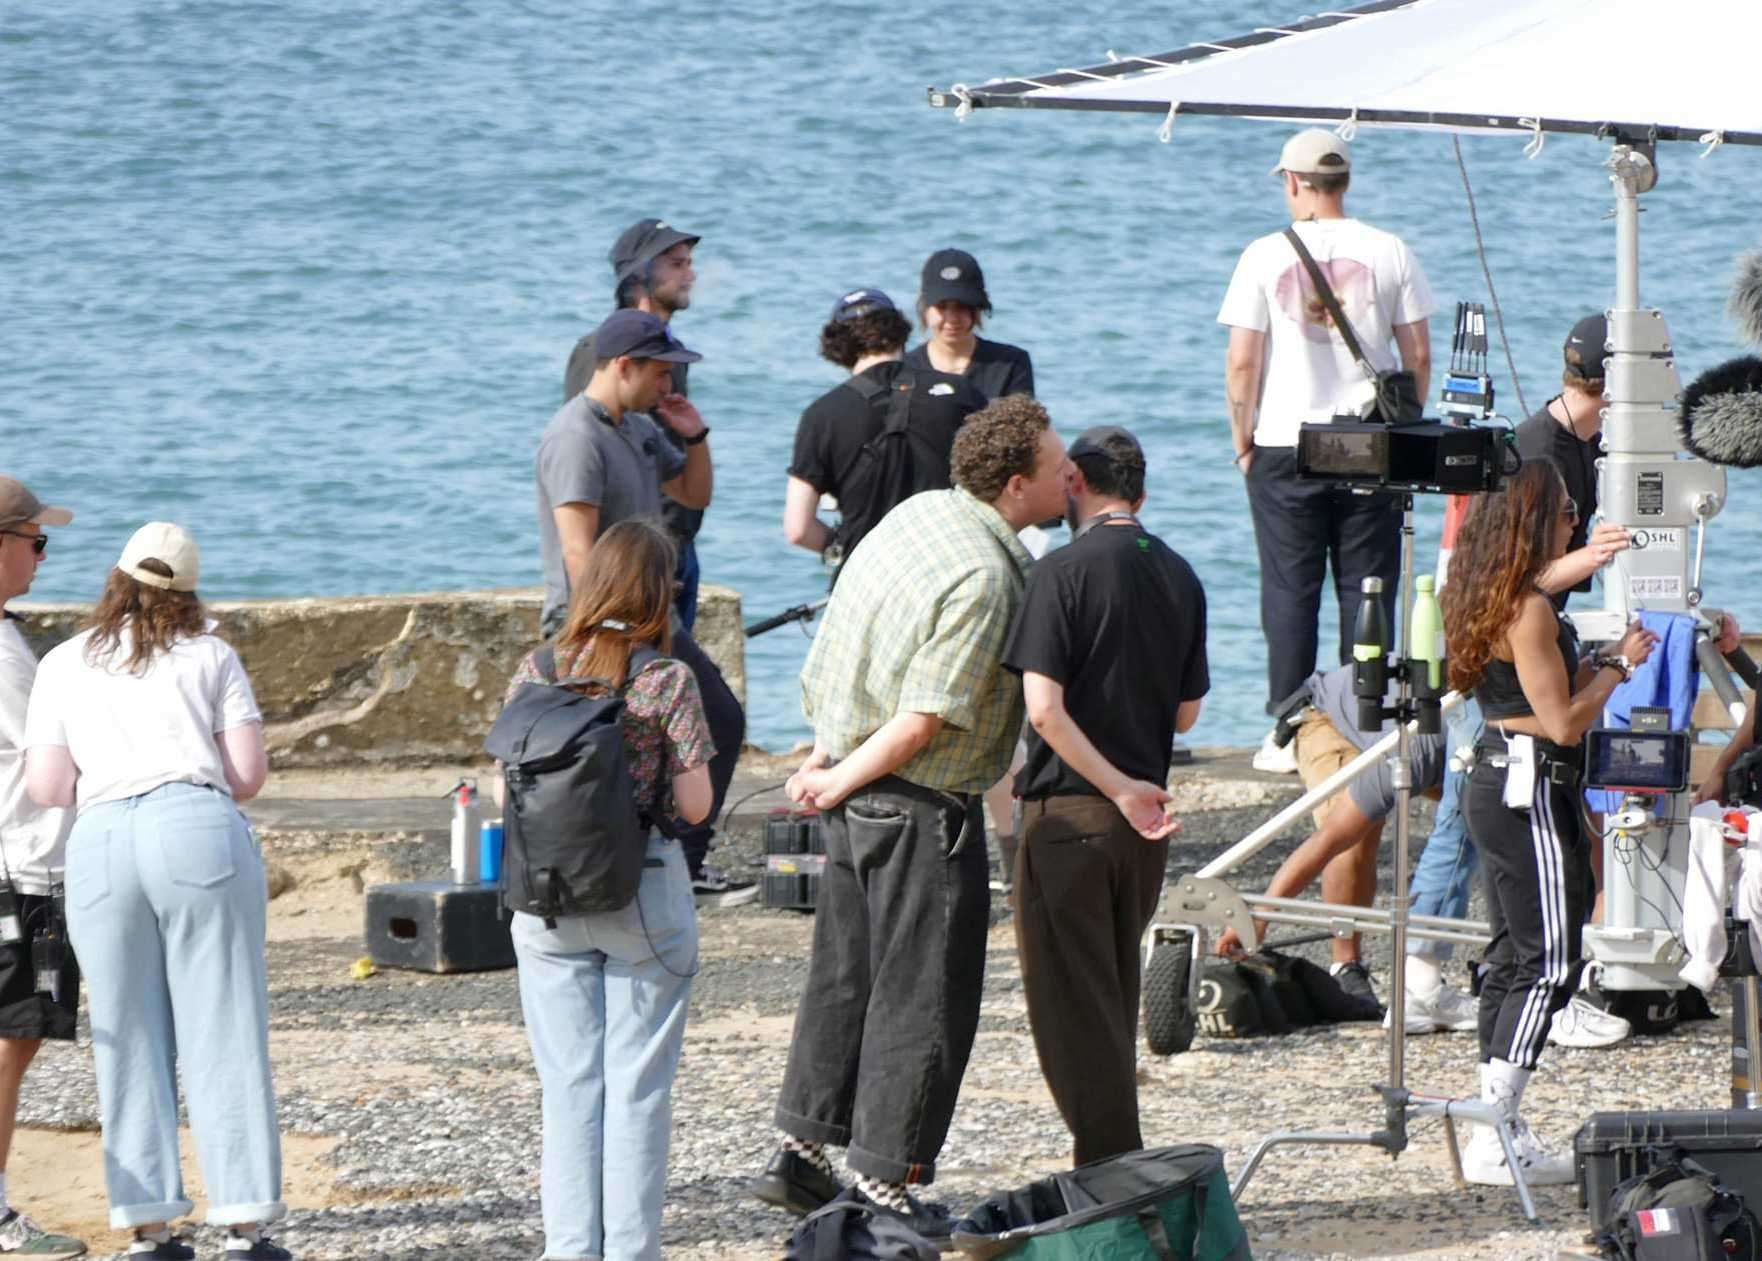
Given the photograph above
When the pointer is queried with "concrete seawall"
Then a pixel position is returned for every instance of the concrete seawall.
(395, 680)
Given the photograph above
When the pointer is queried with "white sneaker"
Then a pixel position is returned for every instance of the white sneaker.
(1581, 1023)
(1483, 1160)
(1274, 760)
(1444, 1010)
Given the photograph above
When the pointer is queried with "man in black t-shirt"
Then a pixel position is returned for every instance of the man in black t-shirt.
(1110, 644)
(1569, 432)
(843, 445)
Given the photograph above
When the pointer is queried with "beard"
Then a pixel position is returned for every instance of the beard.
(1071, 514)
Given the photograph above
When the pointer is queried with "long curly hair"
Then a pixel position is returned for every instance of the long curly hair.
(629, 580)
(1506, 541)
(143, 620)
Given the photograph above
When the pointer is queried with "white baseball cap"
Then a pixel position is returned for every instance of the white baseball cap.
(169, 544)
(1317, 151)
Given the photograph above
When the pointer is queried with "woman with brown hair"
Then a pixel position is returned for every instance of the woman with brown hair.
(1524, 806)
(604, 994)
(146, 721)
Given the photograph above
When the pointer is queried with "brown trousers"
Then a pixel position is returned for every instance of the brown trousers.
(1086, 886)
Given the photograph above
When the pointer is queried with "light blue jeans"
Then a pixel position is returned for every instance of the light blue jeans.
(1447, 865)
(604, 997)
(166, 907)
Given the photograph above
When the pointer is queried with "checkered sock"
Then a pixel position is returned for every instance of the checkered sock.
(887, 1194)
(813, 1153)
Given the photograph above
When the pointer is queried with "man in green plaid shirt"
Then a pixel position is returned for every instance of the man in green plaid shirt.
(913, 717)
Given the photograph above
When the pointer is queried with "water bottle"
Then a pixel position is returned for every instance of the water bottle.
(467, 824)
(1370, 648)
(1426, 635)
(489, 867)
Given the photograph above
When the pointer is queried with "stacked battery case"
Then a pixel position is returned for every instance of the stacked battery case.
(795, 857)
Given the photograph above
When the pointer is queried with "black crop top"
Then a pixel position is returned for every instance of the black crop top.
(1499, 693)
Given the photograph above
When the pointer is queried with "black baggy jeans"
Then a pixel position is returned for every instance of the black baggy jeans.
(1300, 528)
(891, 1008)
(1086, 888)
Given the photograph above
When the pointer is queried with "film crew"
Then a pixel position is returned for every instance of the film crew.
(1349, 826)
(652, 271)
(1742, 741)
(1567, 431)
(604, 994)
(1110, 644)
(1509, 643)
(952, 306)
(147, 720)
(875, 439)
(913, 716)
(39, 980)
(1288, 365)
(602, 460)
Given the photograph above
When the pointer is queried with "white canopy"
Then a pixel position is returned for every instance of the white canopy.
(1642, 69)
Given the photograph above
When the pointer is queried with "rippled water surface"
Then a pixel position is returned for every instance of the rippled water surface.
(303, 276)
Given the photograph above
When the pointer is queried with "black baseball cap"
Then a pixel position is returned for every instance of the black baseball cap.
(642, 242)
(636, 334)
(1108, 442)
(860, 302)
(1586, 347)
(953, 276)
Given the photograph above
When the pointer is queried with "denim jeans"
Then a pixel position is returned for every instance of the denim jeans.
(166, 907)
(892, 1001)
(1447, 865)
(604, 997)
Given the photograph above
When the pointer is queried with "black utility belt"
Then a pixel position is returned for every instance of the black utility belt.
(1554, 763)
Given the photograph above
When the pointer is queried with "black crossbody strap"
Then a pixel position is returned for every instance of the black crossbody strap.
(1325, 292)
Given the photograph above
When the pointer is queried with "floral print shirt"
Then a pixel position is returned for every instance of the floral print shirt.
(665, 732)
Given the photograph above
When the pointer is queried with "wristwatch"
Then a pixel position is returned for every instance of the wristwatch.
(697, 437)
(1615, 661)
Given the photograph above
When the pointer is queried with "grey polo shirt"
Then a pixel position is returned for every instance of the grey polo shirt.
(585, 457)
(1373, 792)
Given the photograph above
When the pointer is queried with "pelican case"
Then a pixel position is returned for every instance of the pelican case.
(1612, 1147)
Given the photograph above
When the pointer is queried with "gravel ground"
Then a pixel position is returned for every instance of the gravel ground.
(424, 1083)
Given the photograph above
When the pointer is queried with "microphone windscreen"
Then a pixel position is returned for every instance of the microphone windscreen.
(1721, 417)
(1745, 304)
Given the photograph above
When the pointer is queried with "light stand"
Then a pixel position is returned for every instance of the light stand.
(1401, 1105)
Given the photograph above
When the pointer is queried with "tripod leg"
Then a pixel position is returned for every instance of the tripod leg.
(1503, 1130)
(1454, 1148)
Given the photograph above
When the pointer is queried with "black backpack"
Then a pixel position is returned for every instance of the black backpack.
(895, 464)
(847, 1228)
(574, 835)
(1678, 1211)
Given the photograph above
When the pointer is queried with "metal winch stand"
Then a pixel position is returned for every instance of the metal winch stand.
(1206, 900)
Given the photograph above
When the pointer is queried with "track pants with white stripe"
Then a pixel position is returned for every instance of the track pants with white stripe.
(1537, 871)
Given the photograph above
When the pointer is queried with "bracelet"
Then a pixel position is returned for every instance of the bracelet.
(1239, 457)
(697, 438)
(1617, 663)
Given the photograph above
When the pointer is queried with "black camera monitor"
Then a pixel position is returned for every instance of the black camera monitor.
(1426, 457)
(1637, 761)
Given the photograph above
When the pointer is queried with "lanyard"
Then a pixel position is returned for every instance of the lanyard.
(1101, 518)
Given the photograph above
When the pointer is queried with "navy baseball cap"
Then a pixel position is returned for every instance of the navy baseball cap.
(642, 242)
(1108, 442)
(1586, 347)
(636, 334)
(860, 302)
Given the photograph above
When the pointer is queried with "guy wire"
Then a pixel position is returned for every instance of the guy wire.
(1492, 293)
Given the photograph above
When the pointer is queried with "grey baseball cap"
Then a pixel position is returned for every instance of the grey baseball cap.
(642, 242)
(18, 504)
(1108, 442)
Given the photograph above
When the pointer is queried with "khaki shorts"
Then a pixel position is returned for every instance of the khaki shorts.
(1322, 750)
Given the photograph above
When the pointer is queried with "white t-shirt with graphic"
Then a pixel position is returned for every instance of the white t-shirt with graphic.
(129, 733)
(1308, 374)
(32, 839)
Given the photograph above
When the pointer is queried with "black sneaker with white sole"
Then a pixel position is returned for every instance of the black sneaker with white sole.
(253, 1247)
(1354, 979)
(170, 1248)
(712, 887)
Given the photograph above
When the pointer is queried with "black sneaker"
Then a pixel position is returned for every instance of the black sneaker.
(794, 1183)
(169, 1249)
(243, 1248)
(712, 888)
(1354, 979)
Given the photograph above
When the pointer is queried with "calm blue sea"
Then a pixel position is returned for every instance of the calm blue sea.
(303, 275)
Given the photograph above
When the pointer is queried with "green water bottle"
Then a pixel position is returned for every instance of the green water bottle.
(1426, 635)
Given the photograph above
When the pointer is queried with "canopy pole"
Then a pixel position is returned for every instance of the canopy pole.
(1632, 173)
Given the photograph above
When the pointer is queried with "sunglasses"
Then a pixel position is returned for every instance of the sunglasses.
(1570, 512)
(38, 541)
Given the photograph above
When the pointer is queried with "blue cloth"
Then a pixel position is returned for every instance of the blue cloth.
(688, 577)
(604, 997)
(1448, 863)
(1670, 677)
(166, 907)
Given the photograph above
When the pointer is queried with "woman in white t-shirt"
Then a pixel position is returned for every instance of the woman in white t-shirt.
(146, 722)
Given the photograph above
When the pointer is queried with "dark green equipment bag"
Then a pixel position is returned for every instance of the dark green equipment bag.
(1170, 1204)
